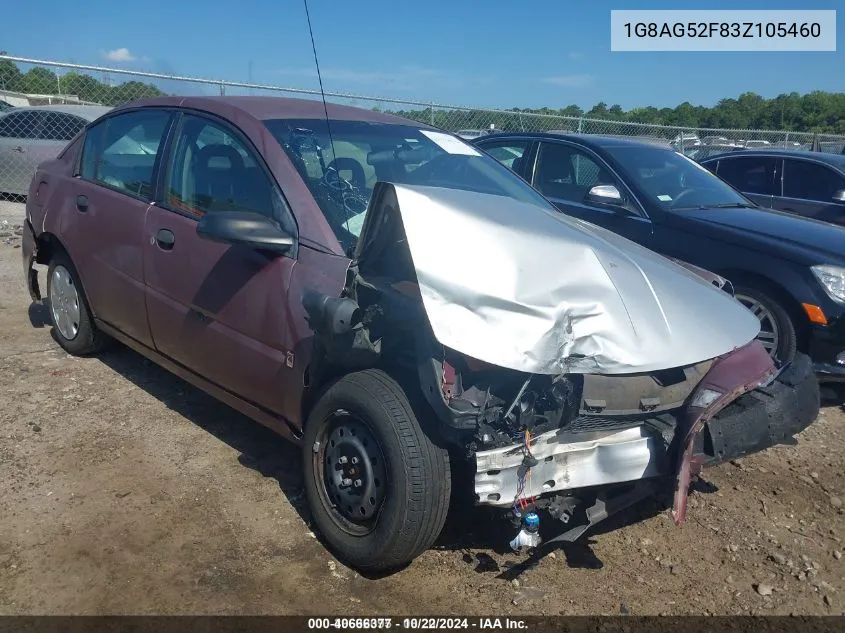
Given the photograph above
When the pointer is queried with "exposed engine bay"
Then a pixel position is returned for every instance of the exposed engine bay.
(566, 442)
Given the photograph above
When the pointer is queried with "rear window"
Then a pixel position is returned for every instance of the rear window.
(120, 152)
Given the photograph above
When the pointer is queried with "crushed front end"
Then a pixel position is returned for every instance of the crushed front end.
(576, 426)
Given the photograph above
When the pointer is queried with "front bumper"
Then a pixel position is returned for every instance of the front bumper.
(756, 420)
(825, 344)
(764, 417)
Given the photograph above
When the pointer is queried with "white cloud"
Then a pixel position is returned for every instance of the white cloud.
(569, 81)
(119, 55)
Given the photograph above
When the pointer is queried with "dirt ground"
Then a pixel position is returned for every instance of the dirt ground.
(125, 490)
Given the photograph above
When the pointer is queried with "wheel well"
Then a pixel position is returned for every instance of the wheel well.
(318, 382)
(779, 293)
(47, 246)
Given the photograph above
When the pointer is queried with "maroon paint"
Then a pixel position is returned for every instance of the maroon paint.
(230, 315)
(741, 370)
(217, 309)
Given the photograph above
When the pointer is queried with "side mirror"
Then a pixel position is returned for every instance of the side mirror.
(241, 227)
(605, 194)
(839, 196)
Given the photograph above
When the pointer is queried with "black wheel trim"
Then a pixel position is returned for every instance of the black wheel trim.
(343, 503)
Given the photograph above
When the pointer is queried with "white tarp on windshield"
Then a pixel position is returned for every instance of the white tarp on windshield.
(518, 286)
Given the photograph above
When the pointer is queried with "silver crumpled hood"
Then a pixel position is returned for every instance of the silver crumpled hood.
(515, 285)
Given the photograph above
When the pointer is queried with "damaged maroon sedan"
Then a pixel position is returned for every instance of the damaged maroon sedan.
(394, 300)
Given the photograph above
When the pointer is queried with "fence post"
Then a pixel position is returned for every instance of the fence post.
(786, 141)
(222, 89)
(432, 114)
(580, 125)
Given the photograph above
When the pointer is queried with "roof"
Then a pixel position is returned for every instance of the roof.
(594, 140)
(837, 160)
(264, 108)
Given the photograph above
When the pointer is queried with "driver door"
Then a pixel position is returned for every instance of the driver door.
(565, 174)
(217, 309)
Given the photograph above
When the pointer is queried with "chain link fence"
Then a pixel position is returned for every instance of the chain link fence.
(67, 96)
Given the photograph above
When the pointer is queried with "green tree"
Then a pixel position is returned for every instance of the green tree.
(11, 77)
(39, 81)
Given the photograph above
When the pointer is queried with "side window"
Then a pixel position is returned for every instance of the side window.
(810, 181)
(60, 126)
(568, 173)
(509, 153)
(121, 151)
(213, 170)
(754, 174)
(20, 125)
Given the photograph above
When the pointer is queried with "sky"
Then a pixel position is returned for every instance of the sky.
(486, 53)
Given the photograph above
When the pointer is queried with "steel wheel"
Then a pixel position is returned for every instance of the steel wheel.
(769, 334)
(64, 303)
(354, 474)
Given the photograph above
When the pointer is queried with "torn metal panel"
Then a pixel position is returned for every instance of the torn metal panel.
(729, 377)
(606, 458)
(527, 288)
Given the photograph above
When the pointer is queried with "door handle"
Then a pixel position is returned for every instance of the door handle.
(82, 203)
(165, 239)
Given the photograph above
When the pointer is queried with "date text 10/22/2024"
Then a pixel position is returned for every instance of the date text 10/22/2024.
(416, 624)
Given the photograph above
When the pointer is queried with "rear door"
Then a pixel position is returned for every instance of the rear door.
(566, 173)
(810, 189)
(754, 176)
(217, 309)
(103, 224)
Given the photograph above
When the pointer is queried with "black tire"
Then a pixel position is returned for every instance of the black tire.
(787, 341)
(418, 479)
(88, 339)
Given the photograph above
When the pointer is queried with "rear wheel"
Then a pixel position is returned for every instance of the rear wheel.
(777, 331)
(73, 326)
(377, 486)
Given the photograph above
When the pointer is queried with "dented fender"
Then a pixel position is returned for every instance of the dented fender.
(776, 404)
(29, 250)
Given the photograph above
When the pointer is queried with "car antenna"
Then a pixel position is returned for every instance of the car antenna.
(323, 95)
(319, 75)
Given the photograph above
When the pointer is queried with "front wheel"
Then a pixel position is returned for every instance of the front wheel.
(377, 486)
(777, 332)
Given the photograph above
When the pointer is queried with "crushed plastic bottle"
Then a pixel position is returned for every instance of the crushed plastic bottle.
(529, 533)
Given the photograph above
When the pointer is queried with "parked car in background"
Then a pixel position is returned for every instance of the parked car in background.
(715, 140)
(789, 271)
(350, 285)
(31, 135)
(811, 184)
(750, 144)
(471, 134)
(686, 140)
(832, 147)
(705, 151)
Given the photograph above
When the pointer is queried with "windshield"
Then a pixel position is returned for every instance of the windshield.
(366, 152)
(672, 181)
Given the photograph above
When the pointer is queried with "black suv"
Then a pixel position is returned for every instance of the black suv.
(788, 270)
